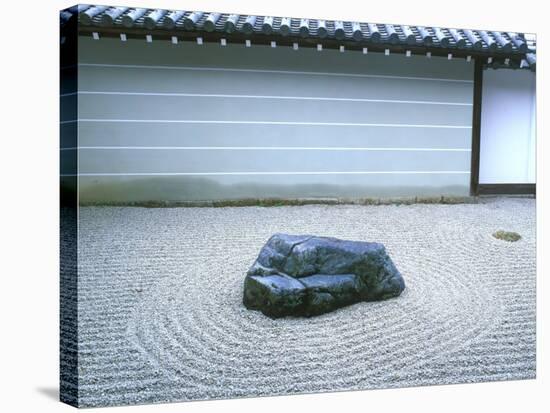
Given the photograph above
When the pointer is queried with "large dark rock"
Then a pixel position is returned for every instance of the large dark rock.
(304, 275)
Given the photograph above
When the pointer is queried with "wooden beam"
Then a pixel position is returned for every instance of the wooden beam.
(476, 127)
(507, 189)
(329, 43)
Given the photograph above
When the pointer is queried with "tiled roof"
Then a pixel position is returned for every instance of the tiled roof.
(500, 45)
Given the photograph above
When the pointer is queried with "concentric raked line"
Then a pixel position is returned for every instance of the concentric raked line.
(210, 359)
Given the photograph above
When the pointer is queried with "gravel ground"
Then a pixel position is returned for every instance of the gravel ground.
(161, 316)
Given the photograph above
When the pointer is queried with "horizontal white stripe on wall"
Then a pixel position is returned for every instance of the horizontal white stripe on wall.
(244, 122)
(233, 96)
(267, 173)
(262, 148)
(287, 72)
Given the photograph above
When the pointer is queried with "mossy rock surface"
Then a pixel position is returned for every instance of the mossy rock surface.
(507, 236)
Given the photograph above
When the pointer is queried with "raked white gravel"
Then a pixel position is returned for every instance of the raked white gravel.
(161, 316)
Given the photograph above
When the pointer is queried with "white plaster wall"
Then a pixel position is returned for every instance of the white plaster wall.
(508, 128)
(158, 121)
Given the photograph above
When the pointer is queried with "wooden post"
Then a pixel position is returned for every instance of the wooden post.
(171, 20)
(476, 127)
(508, 188)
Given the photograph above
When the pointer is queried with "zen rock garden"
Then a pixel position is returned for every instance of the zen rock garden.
(304, 275)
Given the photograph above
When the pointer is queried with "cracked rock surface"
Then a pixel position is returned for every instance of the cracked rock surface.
(305, 275)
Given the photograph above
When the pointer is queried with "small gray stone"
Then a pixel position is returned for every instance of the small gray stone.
(304, 275)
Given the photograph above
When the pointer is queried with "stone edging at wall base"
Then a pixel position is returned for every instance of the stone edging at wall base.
(273, 202)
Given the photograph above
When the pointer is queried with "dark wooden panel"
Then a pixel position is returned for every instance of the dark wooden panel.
(68, 212)
(476, 126)
(507, 189)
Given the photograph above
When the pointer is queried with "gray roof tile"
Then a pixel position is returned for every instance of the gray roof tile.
(493, 43)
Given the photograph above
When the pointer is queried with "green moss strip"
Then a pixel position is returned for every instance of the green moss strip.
(276, 202)
(507, 236)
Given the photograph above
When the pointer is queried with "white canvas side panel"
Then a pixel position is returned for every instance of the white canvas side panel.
(507, 152)
(532, 158)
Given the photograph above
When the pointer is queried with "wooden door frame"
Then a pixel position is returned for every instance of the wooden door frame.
(476, 127)
(475, 187)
